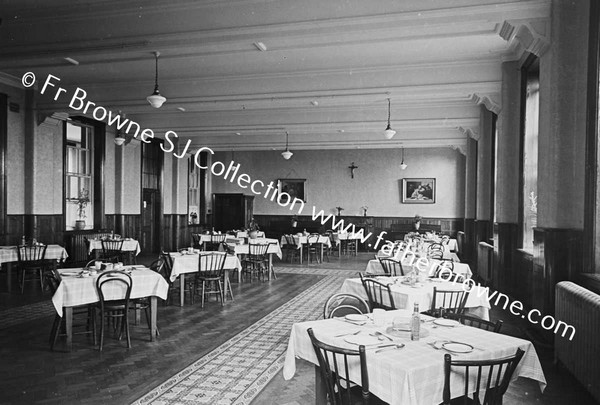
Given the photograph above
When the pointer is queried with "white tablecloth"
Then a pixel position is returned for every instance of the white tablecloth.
(302, 240)
(9, 253)
(406, 296)
(187, 263)
(274, 247)
(74, 291)
(374, 267)
(413, 375)
(337, 237)
(129, 245)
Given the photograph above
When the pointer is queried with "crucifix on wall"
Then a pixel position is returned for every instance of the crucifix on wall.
(352, 167)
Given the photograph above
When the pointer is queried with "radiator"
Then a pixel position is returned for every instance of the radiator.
(579, 307)
(485, 260)
(77, 249)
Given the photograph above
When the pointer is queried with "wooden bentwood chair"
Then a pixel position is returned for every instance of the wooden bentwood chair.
(32, 259)
(210, 275)
(445, 301)
(376, 292)
(114, 308)
(342, 304)
(490, 376)
(257, 260)
(475, 322)
(391, 267)
(333, 364)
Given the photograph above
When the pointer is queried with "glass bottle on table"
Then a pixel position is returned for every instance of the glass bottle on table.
(415, 324)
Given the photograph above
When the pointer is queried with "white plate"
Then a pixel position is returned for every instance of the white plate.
(364, 340)
(357, 317)
(457, 347)
(446, 322)
(70, 273)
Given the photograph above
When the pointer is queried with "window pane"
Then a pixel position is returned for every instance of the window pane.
(78, 182)
(530, 159)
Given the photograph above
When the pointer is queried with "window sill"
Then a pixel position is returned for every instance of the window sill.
(526, 251)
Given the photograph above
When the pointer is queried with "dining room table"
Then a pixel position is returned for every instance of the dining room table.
(338, 237)
(374, 267)
(300, 240)
(403, 371)
(9, 256)
(405, 295)
(188, 263)
(77, 287)
(241, 248)
(130, 246)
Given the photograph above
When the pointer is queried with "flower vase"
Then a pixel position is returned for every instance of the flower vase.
(80, 224)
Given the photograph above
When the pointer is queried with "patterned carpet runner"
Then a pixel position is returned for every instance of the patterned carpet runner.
(236, 371)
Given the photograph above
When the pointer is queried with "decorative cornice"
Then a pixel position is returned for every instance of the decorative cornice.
(489, 101)
(532, 36)
(460, 149)
(470, 132)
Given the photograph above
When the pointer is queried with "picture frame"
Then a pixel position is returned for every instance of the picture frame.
(295, 188)
(418, 190)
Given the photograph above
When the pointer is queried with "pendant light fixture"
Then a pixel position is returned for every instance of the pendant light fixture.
(155, 99)
(286, 154)
(403, 165)
(119, 138)
(389, 132)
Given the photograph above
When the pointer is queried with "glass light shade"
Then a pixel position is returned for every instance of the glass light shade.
(389, 133)
(156, 100)
(119, 140)
(403, 165)
(286, 154)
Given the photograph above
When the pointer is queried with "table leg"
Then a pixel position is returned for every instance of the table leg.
(340, 248)
(9, 277)
(355, 247)
(320, 388)
(321, 252)
(153, 309)
(301, 253)
(181, 289)
(68, 314)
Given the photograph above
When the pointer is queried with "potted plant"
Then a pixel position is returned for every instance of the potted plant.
(82, 201)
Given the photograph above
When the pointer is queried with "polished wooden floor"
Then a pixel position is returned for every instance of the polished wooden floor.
(31, 373)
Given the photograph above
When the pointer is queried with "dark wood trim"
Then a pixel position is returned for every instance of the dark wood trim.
(590, 229)
(3, 151)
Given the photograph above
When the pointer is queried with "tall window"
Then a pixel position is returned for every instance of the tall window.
(531, 87)
(79, 177)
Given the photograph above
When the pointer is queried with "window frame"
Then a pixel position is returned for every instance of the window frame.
(530, 65)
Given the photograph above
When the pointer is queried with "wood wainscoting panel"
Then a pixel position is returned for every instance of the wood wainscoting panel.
(506, 236)
(557, 256)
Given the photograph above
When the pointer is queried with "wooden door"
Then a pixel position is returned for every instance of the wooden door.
(150, 221)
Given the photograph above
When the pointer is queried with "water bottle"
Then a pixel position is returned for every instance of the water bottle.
(415, 324)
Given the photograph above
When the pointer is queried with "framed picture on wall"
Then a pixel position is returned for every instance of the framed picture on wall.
(295, 188)
(418, 191)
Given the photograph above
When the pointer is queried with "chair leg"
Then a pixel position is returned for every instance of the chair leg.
(203, 285)
(126, 321)
(221, 292)
(102, 322)
(228, 287)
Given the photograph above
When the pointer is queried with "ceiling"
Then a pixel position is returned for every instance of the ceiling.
(325, 77)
